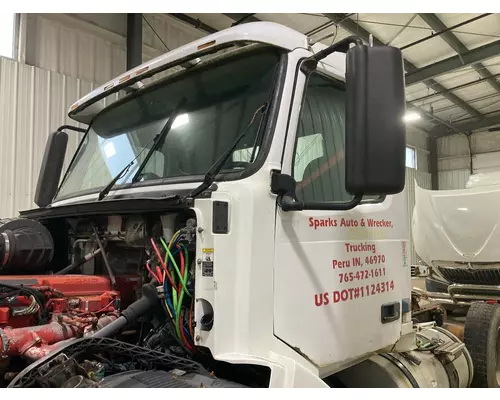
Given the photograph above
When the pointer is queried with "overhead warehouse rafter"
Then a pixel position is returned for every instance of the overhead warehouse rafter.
(241, 17)
(352, 27)
(453, 63)
(467, 126)
(196, 23)
(449, 37)
(462, 86)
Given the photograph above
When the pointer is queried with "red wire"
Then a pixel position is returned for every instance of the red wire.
(152, 273)
(160, 275)
(162, 262)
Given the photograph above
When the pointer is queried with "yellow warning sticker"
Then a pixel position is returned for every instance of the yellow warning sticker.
(207, 263)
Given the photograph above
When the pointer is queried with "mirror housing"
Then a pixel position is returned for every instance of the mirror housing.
(375, 130)
(51, 168)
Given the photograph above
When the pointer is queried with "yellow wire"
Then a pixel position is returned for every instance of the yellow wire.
(173, 238)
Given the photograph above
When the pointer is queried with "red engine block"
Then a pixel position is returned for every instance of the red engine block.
(82, 294)
(77, 305)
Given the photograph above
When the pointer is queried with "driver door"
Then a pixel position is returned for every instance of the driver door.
(340, 276)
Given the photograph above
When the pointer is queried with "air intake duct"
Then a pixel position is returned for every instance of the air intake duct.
(25, 245)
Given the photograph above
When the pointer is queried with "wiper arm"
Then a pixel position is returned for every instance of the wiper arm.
(156, 139)
(104, 192)
(161, 137)
(217, 165)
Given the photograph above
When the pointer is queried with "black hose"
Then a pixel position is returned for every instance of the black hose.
(79, 262)
(135, 310)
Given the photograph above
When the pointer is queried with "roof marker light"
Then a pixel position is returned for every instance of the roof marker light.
(205, 45)
(124, 79)
(140, 71)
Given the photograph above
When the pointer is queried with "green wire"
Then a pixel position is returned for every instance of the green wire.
(179, 304)
(184, 284)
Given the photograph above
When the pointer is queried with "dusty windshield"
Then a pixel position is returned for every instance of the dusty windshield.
(219, 101)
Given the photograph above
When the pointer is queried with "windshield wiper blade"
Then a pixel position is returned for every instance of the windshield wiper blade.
(161, 137)
(219, 164)
(156, 139)
(104, 192)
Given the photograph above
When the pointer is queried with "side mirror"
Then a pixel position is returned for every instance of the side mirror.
(375, 130)
(51, 168)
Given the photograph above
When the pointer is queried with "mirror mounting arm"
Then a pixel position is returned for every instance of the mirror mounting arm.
(71, 128)
(341, 47)
(284, 185)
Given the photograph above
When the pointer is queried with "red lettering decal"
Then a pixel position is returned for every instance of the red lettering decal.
(321, 299)
(336, 296)
(344, 295)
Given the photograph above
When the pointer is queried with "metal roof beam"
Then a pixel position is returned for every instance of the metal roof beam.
(462, 86)
(242, 16)
(196, 23)
(449, 37)
(465, 127)
(451, 64)
(352, 27)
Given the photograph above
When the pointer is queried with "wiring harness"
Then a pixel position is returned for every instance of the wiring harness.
(172, 271)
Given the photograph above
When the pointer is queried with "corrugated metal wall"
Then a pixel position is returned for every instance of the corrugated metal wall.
(423, 180)
(72, 45)
(33, 102)
(454, 157)
(418, 140)
(70, 55)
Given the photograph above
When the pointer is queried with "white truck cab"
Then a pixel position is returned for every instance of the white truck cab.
(302, 236)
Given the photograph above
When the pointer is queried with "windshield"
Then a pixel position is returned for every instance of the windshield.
(220, 101)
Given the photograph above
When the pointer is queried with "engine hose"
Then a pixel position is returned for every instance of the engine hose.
(135, 310)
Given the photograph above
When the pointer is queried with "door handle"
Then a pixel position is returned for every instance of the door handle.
(390, 312)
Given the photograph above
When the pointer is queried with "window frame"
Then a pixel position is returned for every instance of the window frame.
(414, 153)
(319, 205)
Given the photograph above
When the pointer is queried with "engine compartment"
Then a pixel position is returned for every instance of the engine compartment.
(67, 278)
